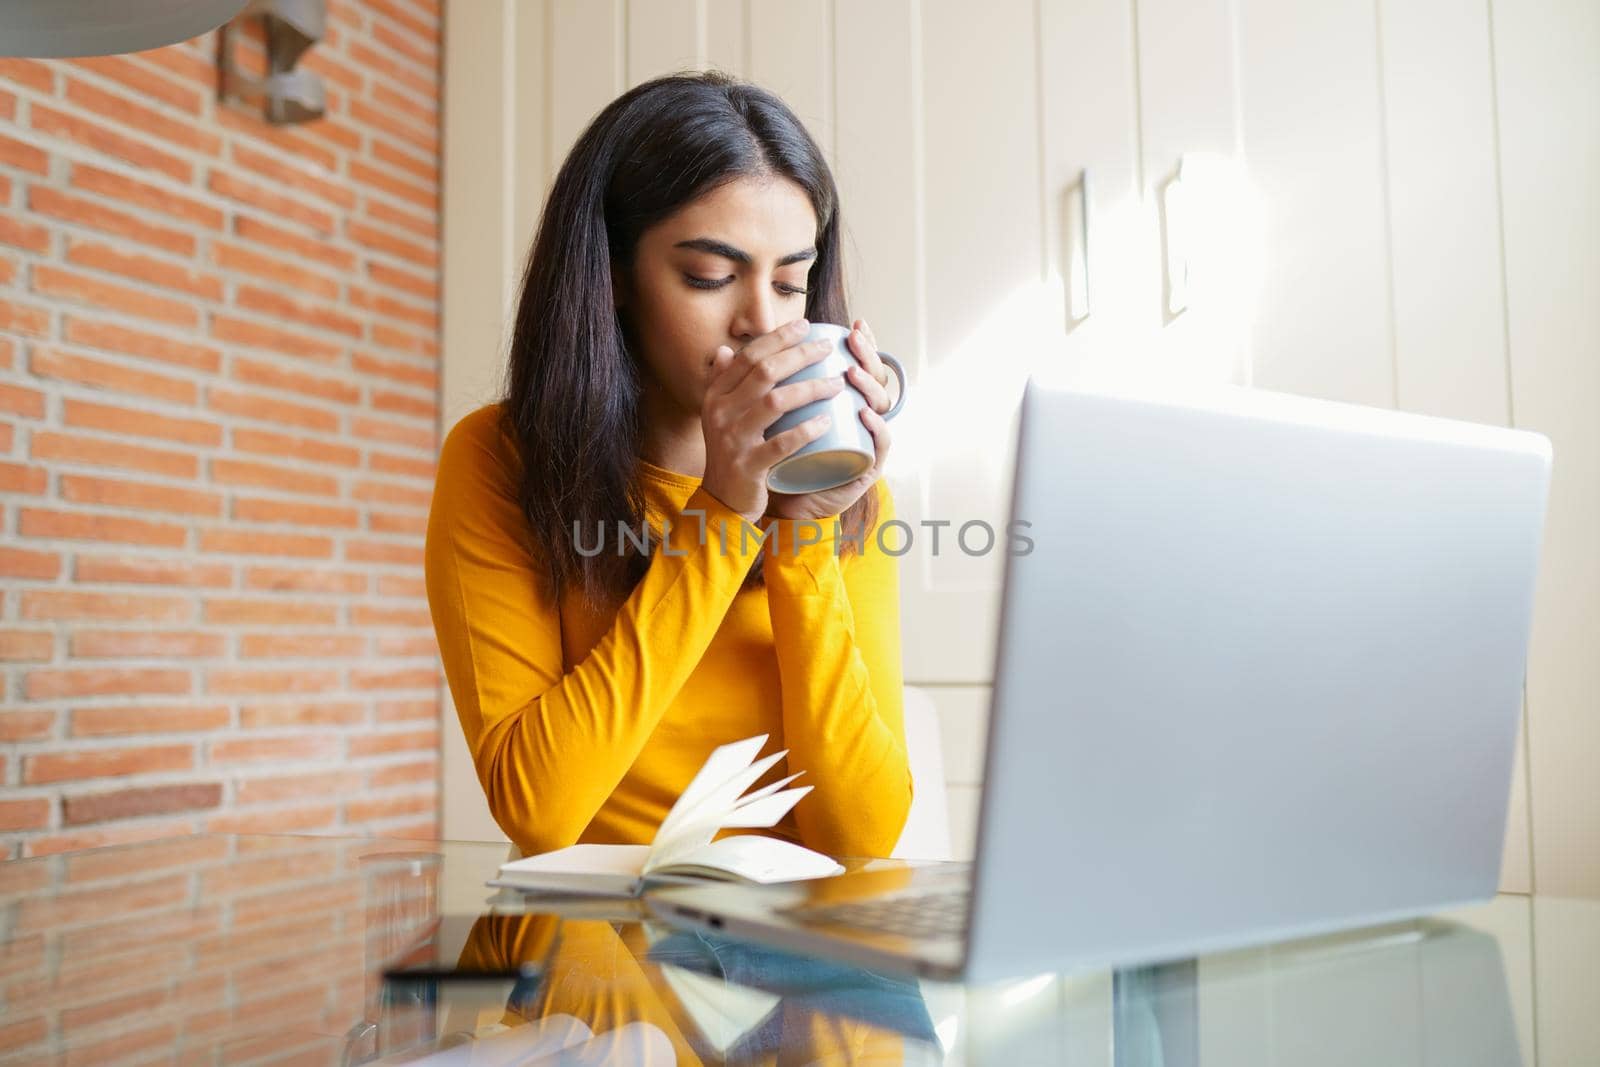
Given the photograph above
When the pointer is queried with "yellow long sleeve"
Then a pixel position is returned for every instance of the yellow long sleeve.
(842, 685)
(587, 728)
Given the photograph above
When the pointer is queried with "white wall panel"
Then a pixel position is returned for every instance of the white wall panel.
(1547, 94)
(478, 253)
(1444, 211)
(1444, 223)
(791, 53)
(1187, 106)
(588, 65)
(533, 163)
(1089, 130)
(1309, 123)
(664, 36)
(726, 44)
(987, 314)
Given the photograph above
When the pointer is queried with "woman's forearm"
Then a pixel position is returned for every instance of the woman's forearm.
(839, 665)
(549, 755)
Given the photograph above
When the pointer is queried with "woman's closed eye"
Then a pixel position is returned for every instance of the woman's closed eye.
(718, 283)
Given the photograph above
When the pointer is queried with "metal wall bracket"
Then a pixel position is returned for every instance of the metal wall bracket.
(1075, 234)
(287, 95)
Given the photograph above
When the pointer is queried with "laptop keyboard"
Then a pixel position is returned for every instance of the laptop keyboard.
(935, 914)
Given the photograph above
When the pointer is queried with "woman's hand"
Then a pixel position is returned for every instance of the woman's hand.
(871, 377)
(743, 399)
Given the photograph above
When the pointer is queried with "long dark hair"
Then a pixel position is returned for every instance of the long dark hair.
(573, 386)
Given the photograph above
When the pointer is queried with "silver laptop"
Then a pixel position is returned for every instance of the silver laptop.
(1259, 677)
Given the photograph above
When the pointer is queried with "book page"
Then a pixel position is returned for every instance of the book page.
(723, 763)
(758, 859)
(711, 798)
(765, 811)
(724, 1012)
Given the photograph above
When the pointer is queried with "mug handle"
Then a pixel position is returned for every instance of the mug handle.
(900, 375)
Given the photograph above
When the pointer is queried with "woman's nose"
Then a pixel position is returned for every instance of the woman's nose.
(758, 314)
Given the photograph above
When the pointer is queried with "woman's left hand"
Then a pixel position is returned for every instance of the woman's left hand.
(871, 378)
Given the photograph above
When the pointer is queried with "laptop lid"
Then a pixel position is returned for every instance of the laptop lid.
(1258, 676)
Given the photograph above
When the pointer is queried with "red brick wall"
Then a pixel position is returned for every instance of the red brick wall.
(260, 950)
(218, 418)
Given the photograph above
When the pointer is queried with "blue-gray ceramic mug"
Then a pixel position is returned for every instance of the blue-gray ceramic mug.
(845, 450)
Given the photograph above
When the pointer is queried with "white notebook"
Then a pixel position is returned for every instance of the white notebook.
(683, 849)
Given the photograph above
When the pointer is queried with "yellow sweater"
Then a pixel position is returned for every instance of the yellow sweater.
(587, 728)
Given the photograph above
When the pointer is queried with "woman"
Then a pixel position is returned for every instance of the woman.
(692, 224)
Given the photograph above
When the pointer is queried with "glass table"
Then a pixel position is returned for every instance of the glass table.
(285, 949)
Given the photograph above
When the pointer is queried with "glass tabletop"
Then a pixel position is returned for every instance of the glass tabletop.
(280, 949)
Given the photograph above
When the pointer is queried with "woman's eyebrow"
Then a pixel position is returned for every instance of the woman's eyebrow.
(727, 251)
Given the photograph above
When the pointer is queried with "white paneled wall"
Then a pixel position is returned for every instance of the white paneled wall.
(1547, 87)
(962, 722)
(1448, 324)
(1423, 175)
(1547, 96)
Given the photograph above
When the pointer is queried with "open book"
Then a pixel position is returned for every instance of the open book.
(683, 849)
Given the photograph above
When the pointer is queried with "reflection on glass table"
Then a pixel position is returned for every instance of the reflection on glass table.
(600, 983)
(609, 986)
(1425, 993)
(263, 949)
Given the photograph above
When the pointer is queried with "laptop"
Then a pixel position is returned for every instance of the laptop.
(1258, 677)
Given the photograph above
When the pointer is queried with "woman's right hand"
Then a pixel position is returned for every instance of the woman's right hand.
(743, 399)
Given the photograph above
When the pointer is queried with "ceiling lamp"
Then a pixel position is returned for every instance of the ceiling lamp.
(47, 29)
